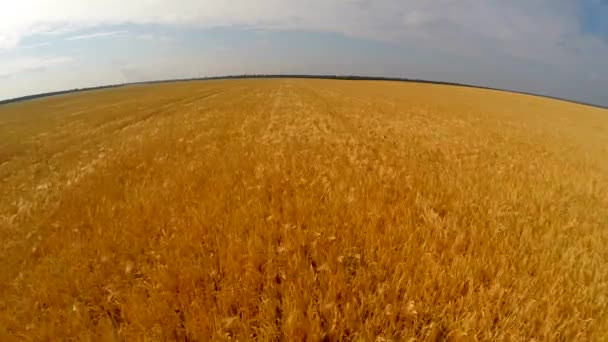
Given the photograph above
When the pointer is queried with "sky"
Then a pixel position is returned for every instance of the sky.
(551, 47)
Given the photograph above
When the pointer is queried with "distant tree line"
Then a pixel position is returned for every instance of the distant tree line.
(61, 92)
(331, 77)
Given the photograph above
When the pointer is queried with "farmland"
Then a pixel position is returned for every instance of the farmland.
(284, 209)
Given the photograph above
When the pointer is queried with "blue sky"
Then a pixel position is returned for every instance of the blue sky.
(552, 47)
(595, 17)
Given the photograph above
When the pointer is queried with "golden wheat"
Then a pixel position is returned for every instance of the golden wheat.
(303, 210)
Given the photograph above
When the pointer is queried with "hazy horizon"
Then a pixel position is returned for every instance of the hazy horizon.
(288, 76)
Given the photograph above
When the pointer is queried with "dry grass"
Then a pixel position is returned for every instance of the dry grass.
(303, 210)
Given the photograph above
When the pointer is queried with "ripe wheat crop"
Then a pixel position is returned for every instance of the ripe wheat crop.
(286, 209)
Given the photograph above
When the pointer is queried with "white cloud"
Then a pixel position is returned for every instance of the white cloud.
(95, 35)
(35, 46)
(7, 42)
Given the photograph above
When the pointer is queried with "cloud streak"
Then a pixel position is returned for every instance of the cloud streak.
(95, 35)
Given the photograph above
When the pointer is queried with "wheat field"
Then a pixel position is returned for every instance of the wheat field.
(313, 210)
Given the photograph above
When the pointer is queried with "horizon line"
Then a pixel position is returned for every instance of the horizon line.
(310, 76)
